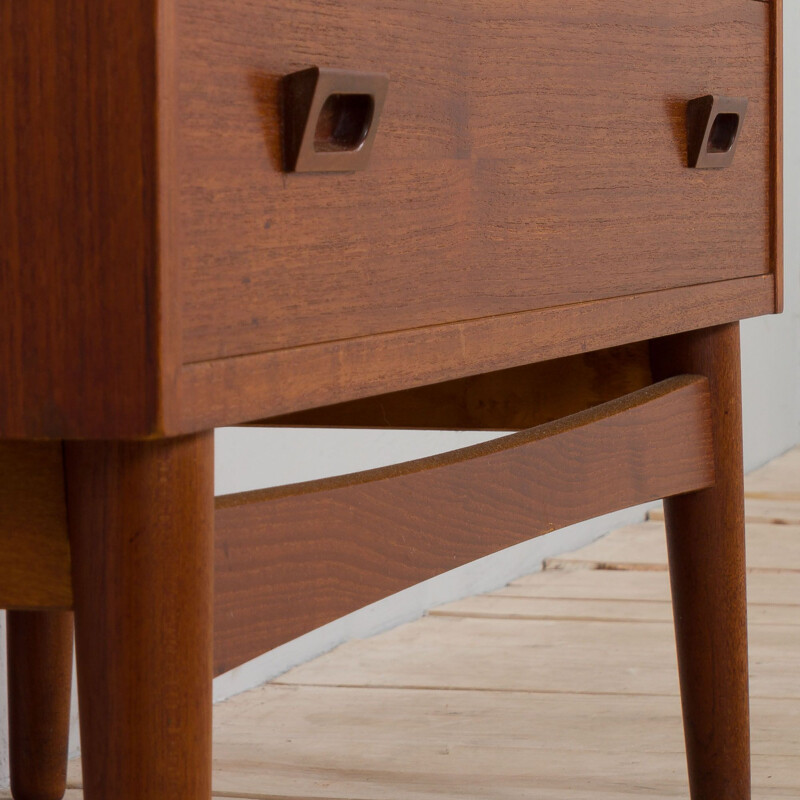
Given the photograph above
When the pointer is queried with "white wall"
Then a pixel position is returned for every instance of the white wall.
(247, 459)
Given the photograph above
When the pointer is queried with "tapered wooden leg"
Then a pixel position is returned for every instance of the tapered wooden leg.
(141, 527)
(39, 645)
(705, 534)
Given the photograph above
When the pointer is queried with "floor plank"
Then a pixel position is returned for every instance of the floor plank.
(481, 772)
(469, 744)
(774, 511)
(391, 743)
(598, 584)
(534, 655)
(644, 546)
(504, 606)
(779, 478)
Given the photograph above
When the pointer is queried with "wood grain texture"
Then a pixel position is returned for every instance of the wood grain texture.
(34, 546)
(141, 527)
(519, 156)
(80, 299)
(706, 545)
(513, 399)
(39, 691)
(234, 390)
(293, 558)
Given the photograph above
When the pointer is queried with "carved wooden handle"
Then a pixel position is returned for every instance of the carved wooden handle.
(330, 117)
(713, 124)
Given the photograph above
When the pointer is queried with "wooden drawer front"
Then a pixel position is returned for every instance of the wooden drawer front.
(530, 154)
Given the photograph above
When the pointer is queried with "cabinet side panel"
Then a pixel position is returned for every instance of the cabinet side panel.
(777, 150)
(79, 293)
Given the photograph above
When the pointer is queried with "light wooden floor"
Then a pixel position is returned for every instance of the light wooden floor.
(561, 685)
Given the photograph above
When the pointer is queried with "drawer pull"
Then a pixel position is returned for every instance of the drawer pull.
(713, 124)
(330, 117)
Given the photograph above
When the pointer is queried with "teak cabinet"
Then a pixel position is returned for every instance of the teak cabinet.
(527, 198)
(527, 249)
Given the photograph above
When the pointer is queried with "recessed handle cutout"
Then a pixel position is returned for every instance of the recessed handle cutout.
(723, 133)
(343, 123)
(713, 126)
(330, 118)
